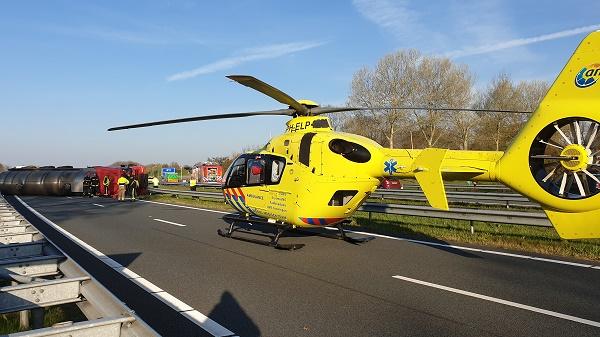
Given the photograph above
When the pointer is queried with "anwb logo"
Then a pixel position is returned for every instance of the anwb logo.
(587, 76)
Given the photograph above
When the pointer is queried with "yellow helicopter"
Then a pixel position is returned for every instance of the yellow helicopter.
(312, 176)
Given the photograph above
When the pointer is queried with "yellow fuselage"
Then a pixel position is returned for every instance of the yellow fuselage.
(323, 185)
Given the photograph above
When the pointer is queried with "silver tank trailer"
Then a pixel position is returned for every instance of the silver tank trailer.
(44, 181)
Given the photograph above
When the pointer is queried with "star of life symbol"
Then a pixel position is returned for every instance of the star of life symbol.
(390, 166)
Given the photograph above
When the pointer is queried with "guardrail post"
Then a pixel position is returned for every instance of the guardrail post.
(23, 314)
(472, 228)
(369, 216)
(507, 204)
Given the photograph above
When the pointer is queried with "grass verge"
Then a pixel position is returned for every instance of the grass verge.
(9, 323)
(539, 240)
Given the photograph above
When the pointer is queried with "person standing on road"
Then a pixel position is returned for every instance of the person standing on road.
(106, 184)
(87, 184)
(95, 183)
(134, 188)
(123, 182)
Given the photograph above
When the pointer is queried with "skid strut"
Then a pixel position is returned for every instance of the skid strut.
(345, 237)
(273, 242)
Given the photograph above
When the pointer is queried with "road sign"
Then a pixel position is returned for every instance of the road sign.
(168, 170)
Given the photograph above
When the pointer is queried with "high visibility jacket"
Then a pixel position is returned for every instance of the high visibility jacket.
(192, 182)
(106, 181)
(123, 181)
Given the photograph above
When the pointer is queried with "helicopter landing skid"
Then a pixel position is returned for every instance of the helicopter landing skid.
(350, 239)
(273, 242)
(343, 236)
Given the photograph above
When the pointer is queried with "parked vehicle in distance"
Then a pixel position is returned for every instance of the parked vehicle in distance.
(391, 184)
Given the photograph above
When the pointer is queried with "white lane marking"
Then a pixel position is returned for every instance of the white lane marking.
(486, 251)
(170, 222)
(198, 318)
(98, 205)
(69, 197)
(520, 256)
(501, 301)
(208, 324)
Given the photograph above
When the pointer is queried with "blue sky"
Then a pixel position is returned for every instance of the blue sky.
(71, 69)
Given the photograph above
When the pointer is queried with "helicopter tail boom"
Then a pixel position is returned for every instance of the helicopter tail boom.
(554, 160)
(432, 166)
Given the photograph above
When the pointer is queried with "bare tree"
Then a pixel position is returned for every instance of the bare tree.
(463, 128)
(531, 94)
(365, 124)
(497, 128)
(503, 94)
(125, 163)
(405, 79)
(390, 84)
(442, 84)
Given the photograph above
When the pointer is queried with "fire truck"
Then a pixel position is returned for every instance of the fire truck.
(208, 173)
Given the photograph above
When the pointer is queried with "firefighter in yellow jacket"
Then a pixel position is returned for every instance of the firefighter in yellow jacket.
(123, 182)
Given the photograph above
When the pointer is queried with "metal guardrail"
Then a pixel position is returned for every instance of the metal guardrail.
(507, 200)
(488, 195)
(469, 214)
(42, 275)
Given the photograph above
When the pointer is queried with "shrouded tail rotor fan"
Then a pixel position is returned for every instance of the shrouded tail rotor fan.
(565, 158)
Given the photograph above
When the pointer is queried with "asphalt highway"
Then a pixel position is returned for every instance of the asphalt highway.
(385, 287)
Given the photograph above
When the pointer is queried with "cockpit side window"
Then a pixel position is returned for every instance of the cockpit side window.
(256, 171)
(276, 170)
(237, 173)
(252, 170)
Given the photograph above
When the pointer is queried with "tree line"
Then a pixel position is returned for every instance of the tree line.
(409, 79)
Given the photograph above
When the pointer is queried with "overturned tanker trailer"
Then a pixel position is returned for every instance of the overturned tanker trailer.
(64, 180)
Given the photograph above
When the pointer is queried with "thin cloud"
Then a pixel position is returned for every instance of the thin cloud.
(247, 55)
(145, 35)
(395, 17)
(519, 42)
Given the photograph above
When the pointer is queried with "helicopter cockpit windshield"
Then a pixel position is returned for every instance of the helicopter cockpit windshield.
(254, 169)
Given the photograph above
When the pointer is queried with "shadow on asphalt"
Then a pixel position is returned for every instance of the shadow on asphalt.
(409, 234)
(125, 259)
(79, 207)
(258, 228)
(229, 310)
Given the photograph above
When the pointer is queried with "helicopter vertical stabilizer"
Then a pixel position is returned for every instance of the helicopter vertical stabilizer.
(555, 159)
(427, 168)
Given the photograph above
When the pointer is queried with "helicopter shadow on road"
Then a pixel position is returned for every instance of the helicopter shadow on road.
(268, 231)
(229, 312)
(401, 232)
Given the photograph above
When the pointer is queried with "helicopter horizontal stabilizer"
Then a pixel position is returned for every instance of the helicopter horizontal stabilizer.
(427, 170)
(584, 225)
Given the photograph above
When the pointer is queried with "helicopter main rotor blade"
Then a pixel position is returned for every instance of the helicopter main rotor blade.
(319, 110)
(325, 110)
(446, 109)
(281, 112)
(270, 91)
